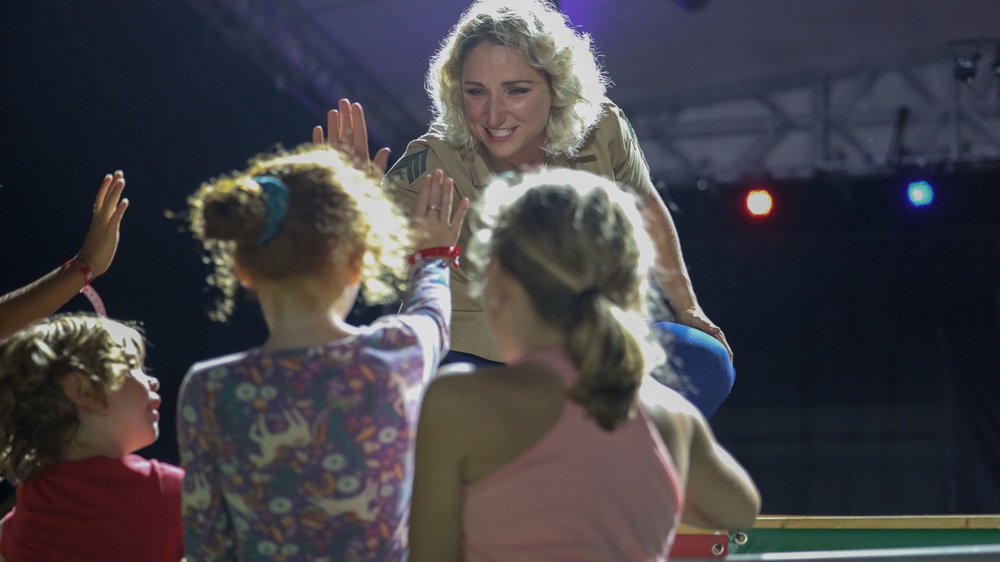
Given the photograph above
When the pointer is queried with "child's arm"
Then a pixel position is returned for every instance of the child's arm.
(718, 492)
(426, 309)
(428, 299)
(48, 293)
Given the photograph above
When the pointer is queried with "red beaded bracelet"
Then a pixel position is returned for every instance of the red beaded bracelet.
(450, 252)
(87, 290)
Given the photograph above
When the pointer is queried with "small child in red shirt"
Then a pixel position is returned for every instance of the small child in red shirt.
(75, 403)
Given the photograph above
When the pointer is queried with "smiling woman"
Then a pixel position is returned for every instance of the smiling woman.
(515, 87)
(570, 451)
(507, 103)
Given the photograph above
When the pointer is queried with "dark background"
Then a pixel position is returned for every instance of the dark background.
(865, 331)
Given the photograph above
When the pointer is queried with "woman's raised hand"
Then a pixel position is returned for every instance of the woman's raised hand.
(346, 131)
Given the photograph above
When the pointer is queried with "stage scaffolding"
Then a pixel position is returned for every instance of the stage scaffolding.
(876, 118)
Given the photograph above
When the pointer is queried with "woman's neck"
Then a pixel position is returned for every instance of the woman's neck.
(529, 162)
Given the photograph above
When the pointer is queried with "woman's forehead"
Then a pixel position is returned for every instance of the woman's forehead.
(490, 58)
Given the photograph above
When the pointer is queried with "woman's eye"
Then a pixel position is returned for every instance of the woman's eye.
(474, 92)
(518, 91)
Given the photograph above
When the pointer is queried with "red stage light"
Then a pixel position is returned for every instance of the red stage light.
(759, 202)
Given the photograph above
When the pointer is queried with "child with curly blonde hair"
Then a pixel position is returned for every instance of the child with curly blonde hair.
(301, 448)
(75, 403)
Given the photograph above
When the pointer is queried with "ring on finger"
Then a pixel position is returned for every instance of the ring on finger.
(433, 207)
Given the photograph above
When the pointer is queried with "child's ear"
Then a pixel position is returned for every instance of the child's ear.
(497, 291)
(503, 280)
(80, 392)
(241, 274)
(354, 267)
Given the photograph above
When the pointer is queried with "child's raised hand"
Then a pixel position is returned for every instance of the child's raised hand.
(101, 243)
(434, 225)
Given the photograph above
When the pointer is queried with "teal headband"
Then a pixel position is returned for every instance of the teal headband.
(276, 200)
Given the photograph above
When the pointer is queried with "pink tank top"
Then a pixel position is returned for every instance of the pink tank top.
(579, 493)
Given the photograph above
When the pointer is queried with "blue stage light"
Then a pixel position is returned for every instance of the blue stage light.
(920, 193)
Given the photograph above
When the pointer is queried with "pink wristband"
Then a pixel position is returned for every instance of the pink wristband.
(87, 290)
(95, 300)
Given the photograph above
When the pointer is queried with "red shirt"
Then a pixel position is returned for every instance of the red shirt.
(97, 509)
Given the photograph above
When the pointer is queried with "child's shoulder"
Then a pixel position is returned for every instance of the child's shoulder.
(476, 385)
(468, 375)
(220, 361)
(204, 375)
(216, 364)
(152, 467)
(456, 397)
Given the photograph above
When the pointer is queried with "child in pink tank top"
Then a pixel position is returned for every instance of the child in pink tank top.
(569, 452)
(557, 479)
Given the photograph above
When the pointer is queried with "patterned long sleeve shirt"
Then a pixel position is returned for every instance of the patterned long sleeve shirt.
(306, 454)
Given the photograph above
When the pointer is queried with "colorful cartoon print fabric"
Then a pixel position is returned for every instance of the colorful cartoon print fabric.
(305, 454)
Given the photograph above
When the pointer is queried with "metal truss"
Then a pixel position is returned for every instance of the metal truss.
(308, 63)
(868, 120)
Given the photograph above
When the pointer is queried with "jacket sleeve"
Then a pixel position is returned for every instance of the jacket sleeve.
(404, 177)
(628, 162)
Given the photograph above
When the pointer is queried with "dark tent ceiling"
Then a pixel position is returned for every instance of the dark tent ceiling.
(737, 87)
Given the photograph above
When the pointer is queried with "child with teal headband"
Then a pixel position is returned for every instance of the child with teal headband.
(301, 447)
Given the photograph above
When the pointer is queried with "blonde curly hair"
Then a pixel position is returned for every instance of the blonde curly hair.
(37, 419)
(548, 43)
(332, 211)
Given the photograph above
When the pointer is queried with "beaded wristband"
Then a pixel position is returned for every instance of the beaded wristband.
(88, 274)
(450, 252)
(87, 290)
